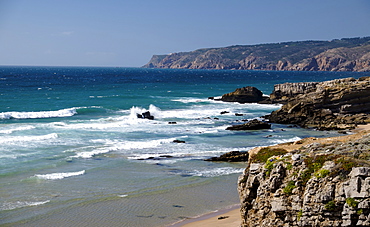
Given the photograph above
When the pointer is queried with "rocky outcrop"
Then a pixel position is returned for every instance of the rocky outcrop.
(315, 185)
(232, 156)
(251, 125)
(336, 55)
(336, 104)
(243, 95)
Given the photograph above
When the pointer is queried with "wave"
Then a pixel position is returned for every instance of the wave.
(21, 128)
(20, 204)
(113, 145)
(58, 176)
(40, 114)
(222, 171)
(278, 141)
(28, 138)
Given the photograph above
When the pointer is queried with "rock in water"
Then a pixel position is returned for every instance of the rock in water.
(243, 95)
(145, 115)
(233, 156)
(251, 125)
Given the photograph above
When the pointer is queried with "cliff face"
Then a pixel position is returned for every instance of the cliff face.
(336, 55)
(336, 104)
(319, 184)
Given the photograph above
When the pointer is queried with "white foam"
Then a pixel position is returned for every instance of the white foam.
(222, 171)
(13, 139)
(41, 114)
(190, 100)
(58, 176)
(278, 141)
(21, 128)
(115, 145)
(20, 204)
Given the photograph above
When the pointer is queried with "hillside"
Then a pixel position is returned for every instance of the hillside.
(348, 54)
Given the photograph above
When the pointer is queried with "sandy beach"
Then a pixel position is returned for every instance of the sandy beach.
(231, 217)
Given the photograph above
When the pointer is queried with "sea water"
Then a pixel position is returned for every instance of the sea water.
(74, 153)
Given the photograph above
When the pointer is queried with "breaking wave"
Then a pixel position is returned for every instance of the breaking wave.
(58, 176)
(40, 114)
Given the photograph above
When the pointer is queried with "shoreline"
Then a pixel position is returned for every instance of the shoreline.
(227, 217)
(232, 216)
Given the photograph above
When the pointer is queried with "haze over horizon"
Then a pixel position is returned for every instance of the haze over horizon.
(127, 33)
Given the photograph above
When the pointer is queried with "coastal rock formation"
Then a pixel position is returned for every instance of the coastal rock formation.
(319, 184)
(243, 95)
(233, 156)
(351, 54)
(251, 125)
(337, 104)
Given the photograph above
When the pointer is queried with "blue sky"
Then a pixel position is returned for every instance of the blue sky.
(127, 33)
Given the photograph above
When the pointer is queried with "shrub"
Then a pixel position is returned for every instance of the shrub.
(351, 202)
(265, 153)
(322, 173)
(330, 206)
(269, 166)
(289, 188)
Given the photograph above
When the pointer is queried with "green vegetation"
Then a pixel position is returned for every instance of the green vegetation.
(265, 153)
(313, 164)
(346, 164)
(330, 206)
(289, 188)
(351, 202)
(269, 166)
(322, 173)
(299, 215)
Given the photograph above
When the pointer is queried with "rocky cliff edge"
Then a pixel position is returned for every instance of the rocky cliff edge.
(312, 182)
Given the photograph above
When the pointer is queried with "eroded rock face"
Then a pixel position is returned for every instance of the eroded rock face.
(316, 186)
(336, 104)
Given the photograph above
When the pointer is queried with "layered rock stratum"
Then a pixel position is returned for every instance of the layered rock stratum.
(312, 182)
(329, 105)
(348, 54)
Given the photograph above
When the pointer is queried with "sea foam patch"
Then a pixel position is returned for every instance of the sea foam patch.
(58, 176)
(221, 171)
(40, 114)
(20, 204)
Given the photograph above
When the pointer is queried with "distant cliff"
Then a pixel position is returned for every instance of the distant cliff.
(349, 54)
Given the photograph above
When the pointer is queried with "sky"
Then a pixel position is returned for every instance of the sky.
(122, 33)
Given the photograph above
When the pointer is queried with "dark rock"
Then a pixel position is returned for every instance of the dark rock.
(244, 95)
(224, 112)
(145, 115)
(251, 125)
(238, 114)
(172, 122)
(178, 141)
(233, 156)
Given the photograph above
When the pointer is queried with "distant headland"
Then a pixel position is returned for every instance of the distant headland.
(347, 54)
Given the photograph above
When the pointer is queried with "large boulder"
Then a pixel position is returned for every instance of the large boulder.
(244, 95)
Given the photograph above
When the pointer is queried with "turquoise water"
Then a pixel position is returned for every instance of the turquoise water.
(74, 153)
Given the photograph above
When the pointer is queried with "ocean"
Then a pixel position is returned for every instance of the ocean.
(74, 153)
